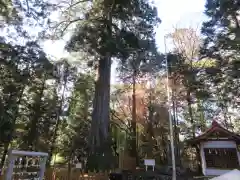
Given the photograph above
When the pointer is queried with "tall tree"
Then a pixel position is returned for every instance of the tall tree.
(65, 75)
(185, 67)
(112, 26)
(20, 65)
(222, 32)
(75, 134)
(132, 71)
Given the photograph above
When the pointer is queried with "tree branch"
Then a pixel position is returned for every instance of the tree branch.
(74, 4)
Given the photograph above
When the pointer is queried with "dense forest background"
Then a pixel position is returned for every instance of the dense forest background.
(68, 107)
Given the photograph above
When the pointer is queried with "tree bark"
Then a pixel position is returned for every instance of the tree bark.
(133, 152)
(189, 104)
(99, 133)
(100, 115)
(59, 111)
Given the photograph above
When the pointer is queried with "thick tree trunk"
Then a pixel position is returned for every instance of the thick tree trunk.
(100, 116)
(99, 133)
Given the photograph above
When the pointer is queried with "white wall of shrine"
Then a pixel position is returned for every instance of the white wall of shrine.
(215, 144)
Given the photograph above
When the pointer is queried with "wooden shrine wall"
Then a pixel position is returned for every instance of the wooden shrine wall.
(219, 157)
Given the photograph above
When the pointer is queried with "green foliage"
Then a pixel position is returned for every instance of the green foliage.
(221, 33)
(112, 29)
(15, 77)
(20, 11)
(75, 129)
(63, 109)
(222, 28)
(124, 39)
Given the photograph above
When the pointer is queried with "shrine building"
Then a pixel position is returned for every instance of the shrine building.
(219, 150)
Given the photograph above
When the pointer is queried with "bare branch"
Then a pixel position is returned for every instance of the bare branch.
(186, 41)
(74, 4)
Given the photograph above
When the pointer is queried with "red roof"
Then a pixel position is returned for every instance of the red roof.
(216, 128)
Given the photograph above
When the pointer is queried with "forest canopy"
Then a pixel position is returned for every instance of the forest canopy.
(68, 106)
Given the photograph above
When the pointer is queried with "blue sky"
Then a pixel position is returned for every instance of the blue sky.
(180, 13)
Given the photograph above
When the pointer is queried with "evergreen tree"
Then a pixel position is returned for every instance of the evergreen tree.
(222, 30)
(222, 37)
(112, 29)
(20, 65)
(74, 132)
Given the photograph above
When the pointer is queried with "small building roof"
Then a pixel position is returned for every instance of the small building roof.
(215, 132)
